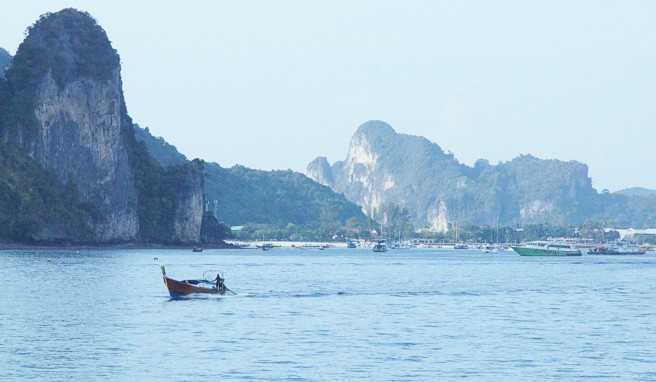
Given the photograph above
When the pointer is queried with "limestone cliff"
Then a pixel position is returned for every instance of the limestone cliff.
(384, 169)
(188, 218)
(320, 171)
(75, 125)
(67, 112)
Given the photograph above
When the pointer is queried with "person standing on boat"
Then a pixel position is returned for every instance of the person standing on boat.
(220, 286)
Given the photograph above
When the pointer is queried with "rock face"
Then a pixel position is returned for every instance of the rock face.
(189, 196)
(78, 125)
(319, 170)
(188, 218)
(383, 169)
(80, 139)
(67, 113)
(5, 60)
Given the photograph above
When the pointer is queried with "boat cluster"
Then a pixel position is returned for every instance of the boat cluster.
(564, 248)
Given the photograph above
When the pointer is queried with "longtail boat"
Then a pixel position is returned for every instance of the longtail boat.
(178, 288)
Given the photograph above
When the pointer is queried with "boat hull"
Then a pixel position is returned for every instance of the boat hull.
(523, 251)
(179, 288)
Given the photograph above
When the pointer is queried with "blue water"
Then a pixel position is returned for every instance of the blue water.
(334, 315)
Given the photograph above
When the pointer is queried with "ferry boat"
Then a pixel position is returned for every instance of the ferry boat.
(541, 248)
(380, 246)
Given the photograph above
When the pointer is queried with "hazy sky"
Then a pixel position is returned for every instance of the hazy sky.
(273, 84)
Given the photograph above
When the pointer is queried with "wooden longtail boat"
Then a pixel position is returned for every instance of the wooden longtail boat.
(179, 288)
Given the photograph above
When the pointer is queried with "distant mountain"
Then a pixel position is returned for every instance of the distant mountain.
(275, 197)
(384, 170)
(71, 168)
(637, 191)
(245, 196)
(5, 60)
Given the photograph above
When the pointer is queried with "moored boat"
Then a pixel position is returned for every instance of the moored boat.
(546, 249)
(265, 246)
(178, 288)
(616, 251)
(380, 246)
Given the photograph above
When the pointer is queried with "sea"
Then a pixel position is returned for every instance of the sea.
(327, 315)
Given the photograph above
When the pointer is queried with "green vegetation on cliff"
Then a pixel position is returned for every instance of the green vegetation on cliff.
(34, 207)
(165, 153)
(269, 200)
(159, 191)
(637, 191)
(5, 60)
(529, 232)
(275, 197)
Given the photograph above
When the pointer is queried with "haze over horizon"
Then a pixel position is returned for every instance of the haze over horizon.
(274, 85)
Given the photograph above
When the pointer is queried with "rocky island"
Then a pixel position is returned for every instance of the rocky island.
(386, 171)
(76, 169)
(72, 169)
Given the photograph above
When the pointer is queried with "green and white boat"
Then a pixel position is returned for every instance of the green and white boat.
(545, 248)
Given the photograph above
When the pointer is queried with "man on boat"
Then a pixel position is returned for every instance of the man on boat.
(220, 286)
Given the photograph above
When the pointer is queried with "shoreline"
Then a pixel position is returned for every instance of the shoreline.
(79, 247)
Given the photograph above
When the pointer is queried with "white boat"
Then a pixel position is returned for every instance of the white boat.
(380, 246)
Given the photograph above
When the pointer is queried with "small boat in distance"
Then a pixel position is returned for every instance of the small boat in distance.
(543, 248)
(490, 248)
(197, 249)
(380, 246)
(178, 288)
(460, 246)
(265, 246)
(351, 244)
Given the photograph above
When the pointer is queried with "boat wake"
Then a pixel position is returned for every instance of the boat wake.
(198, 297)
(273, 294)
